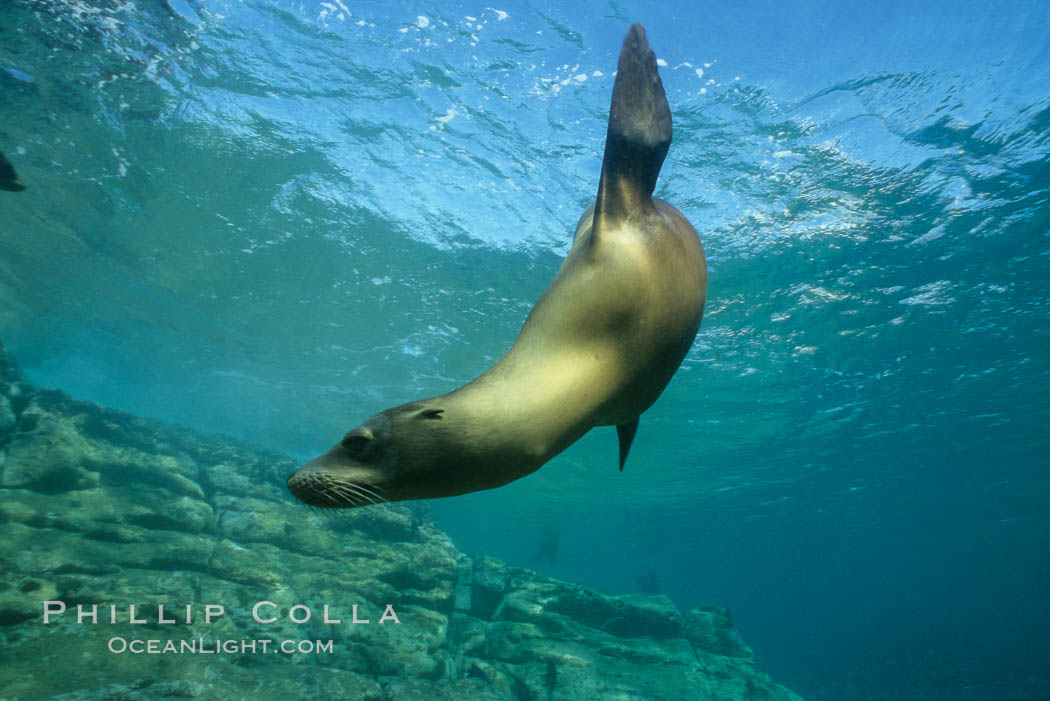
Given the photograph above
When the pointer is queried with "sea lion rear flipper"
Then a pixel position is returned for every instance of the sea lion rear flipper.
(625, 432)
(638, 137)
(8, 177)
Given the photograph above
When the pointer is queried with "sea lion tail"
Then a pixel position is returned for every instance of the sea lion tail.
(639, 133)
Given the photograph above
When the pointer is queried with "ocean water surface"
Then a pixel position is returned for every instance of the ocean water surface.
(272, 219)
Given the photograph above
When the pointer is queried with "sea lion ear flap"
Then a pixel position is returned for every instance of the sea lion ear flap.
(431, 413)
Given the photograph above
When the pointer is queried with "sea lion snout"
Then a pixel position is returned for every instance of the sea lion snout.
(304, 483)
(321, 484)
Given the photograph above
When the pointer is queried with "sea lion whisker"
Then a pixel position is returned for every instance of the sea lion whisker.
(356, 497)
(365, 490)
(370, 499)
(367, 497)
(341, 494)
(360, 498)
(358, 490)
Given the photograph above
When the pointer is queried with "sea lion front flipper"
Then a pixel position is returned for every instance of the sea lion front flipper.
(8, 177)
(638, 137)
(625, 432)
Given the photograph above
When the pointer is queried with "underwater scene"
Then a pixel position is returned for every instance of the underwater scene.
(241, 237)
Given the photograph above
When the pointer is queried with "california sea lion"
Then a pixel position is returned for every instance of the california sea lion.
(597, 349)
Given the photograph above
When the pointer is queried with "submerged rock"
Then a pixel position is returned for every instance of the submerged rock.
(137, 528)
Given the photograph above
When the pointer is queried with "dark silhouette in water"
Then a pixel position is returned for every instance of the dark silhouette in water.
(547, 550)
(550, 679)
(649, 583)
(8, 177)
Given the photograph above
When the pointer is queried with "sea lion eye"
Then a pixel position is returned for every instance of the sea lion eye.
(357, 442)
(431, 413)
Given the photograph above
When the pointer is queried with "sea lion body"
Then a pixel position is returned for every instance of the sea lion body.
(597, 349)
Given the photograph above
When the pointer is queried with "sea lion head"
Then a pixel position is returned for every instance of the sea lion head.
(394, 455)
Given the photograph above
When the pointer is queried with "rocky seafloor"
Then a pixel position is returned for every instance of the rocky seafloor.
(103, 510)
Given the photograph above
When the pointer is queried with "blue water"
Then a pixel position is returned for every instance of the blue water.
(272, 219)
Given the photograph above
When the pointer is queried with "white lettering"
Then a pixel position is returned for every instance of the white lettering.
(255, 611)
(327, 619)
(93, 614)
(53, 608)
(291, 613)
(389, 615)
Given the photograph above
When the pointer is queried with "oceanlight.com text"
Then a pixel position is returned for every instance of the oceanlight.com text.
(202, 646)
